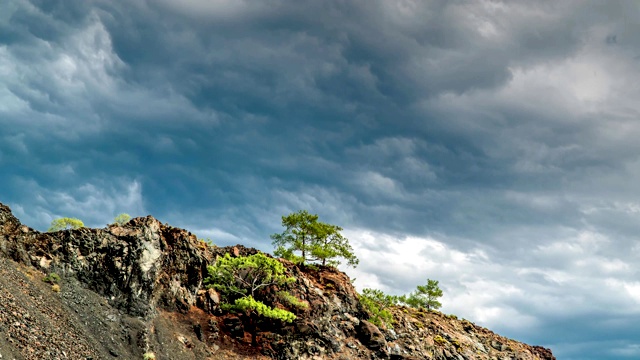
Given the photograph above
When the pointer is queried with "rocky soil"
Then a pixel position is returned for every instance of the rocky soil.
(129, 290)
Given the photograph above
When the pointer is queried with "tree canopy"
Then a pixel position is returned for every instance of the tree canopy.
(313, 240)
(65, 223)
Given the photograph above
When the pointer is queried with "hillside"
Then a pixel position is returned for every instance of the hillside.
(138, 288)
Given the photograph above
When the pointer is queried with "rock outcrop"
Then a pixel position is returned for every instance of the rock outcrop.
(137, 288)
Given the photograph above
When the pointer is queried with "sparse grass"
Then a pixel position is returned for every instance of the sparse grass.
(439, 340)
(292, 300)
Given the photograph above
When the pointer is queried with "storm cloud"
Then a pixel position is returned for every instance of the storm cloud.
(490, 145)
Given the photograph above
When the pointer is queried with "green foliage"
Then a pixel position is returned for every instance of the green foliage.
(241, 279)
(425, 296)
(377, 303)
(330, 245)
(149, 356)
(248, 303)
(122, 219)
(244, 275)
(52, 278)
(65, 223)
(315, 241)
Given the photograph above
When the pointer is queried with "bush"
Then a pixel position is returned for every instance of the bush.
(149, 356)
(52, 278)
(55, 287)
(65, 224)
(377, 303)
(122, 219)
(439, 340)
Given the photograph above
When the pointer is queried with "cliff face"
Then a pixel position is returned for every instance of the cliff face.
(127, 290)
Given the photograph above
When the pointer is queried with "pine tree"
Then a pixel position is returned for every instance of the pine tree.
(313, 240)
(425, 296)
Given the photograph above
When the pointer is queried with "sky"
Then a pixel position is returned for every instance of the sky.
(490, 145)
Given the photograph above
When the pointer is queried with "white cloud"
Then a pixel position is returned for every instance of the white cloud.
(504, 296)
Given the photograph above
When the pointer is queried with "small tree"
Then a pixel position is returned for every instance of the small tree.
(242, 280)
(425, 296)
(244, 276)
(65, 223)
(122, 219)
(314, 240)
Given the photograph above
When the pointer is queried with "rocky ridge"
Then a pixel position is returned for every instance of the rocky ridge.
(137, 288)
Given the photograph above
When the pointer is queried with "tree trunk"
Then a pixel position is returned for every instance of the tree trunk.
(252, 328)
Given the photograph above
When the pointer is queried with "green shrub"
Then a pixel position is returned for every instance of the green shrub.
(377, 303)
(65, 224)
(439, 340)
(248, 303)
(52, 278)
(122, 219)
(149, 356)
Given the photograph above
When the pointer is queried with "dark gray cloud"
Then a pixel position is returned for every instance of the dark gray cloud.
(491, 145)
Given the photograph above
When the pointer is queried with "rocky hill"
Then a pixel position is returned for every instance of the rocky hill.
(126, 291)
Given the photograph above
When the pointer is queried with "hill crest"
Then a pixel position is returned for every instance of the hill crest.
(138, 288)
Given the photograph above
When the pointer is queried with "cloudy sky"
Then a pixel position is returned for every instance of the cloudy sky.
(491, 145)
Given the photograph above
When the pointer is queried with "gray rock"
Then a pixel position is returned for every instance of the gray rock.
(370, 336)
